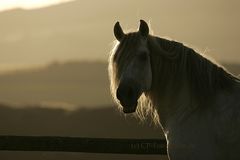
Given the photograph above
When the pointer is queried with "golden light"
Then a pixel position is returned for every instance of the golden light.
(28, 4)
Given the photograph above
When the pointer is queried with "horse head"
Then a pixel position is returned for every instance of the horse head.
(132, 59)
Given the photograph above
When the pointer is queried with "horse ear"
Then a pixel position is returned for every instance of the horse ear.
(143, 28)
(118, 32)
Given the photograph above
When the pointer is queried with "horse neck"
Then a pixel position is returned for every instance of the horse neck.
(173, 103)
(176, 91)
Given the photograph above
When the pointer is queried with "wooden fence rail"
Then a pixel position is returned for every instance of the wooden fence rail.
(77, 144)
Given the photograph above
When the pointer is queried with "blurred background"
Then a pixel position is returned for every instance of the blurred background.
(54, 54)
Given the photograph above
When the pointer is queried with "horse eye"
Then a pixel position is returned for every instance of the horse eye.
(142, 56)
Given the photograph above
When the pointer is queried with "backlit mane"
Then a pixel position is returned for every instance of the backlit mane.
(172, 64)
(204, 77)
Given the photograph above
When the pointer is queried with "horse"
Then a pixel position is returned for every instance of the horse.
(195, 101)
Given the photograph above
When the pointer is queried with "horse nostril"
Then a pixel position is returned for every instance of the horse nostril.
(123, 92)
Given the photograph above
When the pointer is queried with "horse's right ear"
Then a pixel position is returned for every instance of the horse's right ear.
(118, 32)
(143, 28)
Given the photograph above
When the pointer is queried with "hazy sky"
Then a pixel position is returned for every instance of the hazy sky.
(82, 29)
(28, 4)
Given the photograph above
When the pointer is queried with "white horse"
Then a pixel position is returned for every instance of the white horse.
(196, 101)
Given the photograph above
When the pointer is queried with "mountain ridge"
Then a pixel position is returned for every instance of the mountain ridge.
(60, 84)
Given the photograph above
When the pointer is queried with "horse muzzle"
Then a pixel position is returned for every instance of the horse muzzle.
(128, 97)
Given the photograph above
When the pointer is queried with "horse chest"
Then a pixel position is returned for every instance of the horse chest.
(193, 139)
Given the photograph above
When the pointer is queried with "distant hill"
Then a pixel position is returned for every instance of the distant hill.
(65, 85)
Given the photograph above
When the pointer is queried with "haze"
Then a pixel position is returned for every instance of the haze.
(82, 30)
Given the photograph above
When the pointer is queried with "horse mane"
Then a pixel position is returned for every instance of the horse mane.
(180, 63)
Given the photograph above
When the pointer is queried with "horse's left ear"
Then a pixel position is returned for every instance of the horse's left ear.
(143, 28)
